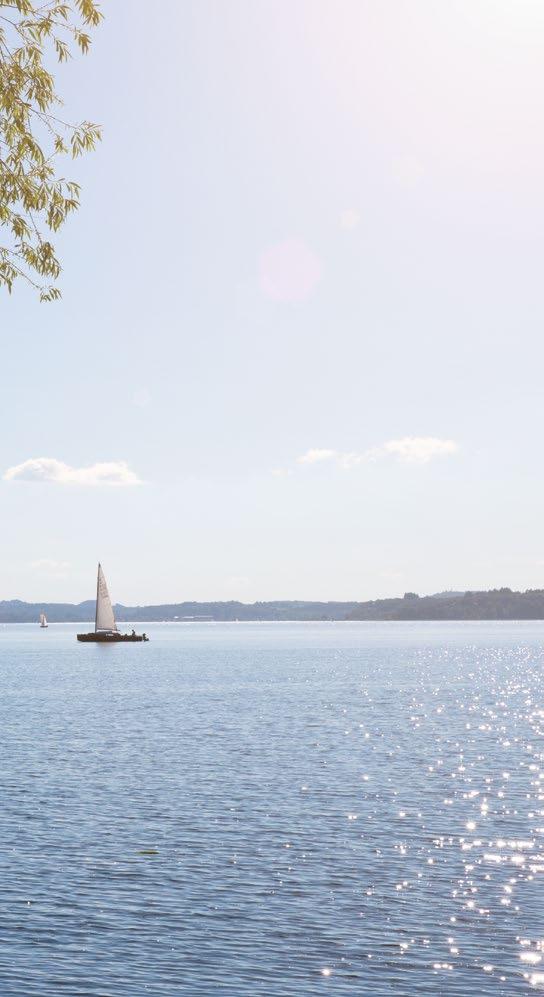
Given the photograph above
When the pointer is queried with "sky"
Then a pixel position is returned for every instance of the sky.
(299, 352)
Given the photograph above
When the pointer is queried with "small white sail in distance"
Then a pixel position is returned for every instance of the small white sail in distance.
(104, 620)
(43, 620)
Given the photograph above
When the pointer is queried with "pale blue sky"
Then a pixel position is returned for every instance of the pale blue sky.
(310, 226)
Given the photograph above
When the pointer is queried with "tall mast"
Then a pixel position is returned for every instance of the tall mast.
(96, 607)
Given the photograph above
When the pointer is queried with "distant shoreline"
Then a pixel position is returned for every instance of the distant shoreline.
(495, 604)
(123, 624)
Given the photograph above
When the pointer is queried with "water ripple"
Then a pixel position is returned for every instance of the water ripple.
(290, 810)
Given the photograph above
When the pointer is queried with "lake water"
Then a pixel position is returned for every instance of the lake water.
(273, 809)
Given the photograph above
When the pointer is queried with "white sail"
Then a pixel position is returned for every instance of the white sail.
(43, 620)
(105, 620)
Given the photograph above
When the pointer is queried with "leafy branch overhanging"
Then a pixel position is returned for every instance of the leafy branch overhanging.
(35, 199)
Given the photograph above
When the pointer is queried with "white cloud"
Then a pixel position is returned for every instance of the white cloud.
(314, 456)
(349, 460)
(49, 469)
(391, 576)
(407, 450)
(418, 449)
(238, 581)
(47, 566)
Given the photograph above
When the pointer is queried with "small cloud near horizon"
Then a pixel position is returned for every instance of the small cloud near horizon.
(407, 450)
(415, 449)
(315, 456)
(391, 576)
(49, 567)
(238, 581)
(110, 473)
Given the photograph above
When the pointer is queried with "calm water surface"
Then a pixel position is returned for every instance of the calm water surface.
(273, 809)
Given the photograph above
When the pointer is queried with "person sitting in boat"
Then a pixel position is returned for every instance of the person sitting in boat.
(133, 633)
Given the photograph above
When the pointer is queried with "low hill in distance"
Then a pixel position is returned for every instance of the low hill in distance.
(497, 604)
(15, 611)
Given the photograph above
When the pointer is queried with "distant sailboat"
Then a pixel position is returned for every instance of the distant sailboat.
(105, 627)
(43, 621)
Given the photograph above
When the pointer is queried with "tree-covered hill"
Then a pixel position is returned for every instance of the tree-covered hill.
(497, 604)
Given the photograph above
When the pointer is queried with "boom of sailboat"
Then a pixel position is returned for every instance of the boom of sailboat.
(105, 628)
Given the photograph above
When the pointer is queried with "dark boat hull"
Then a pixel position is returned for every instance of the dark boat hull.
(111, 638)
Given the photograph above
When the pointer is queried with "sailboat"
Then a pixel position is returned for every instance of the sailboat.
(105, 627)
(43, 621)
